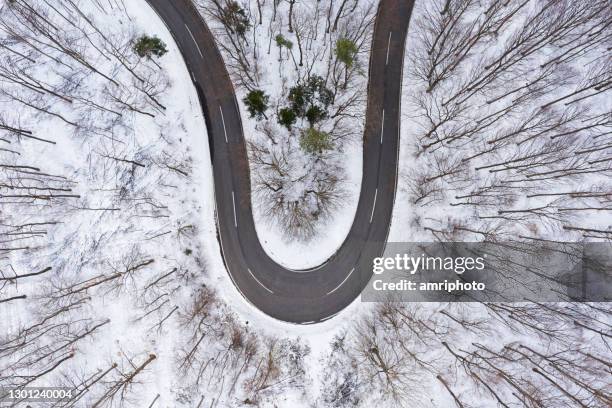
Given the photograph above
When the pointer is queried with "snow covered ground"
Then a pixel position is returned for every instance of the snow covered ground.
(123, 213)
(297, 254)
(486, 151)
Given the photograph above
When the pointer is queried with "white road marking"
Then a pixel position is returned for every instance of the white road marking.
(223, 120)
(257, 280)
(234, 203)
(341, 283)
(374, 206)
(194, 40)
(382, 127)
(388, 46)
(223, 252)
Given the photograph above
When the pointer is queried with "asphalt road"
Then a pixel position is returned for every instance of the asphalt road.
(319, 293)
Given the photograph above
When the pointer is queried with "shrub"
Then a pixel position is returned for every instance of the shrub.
(257, 103)
(315, 141)
(146, 46)
(236, 19)
(287, 117)
(346, 50)
(281, 41)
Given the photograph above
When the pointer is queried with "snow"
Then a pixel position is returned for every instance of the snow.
(304, 255)
(88, 242)
(409, 219)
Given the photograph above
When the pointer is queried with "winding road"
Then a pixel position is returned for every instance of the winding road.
(317, 294)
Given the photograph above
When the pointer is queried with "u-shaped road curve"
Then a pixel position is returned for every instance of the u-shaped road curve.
(317, 294)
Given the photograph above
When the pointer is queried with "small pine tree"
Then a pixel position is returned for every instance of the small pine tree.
(317, 91)
(315, 114)
(346, 50)
(281, 41)
(315, 141)
(311, 99)
(236, 19)
(148, 47)
(257, 103)
(297, 97)
(287, 117)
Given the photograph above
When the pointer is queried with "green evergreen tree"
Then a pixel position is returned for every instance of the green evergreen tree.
(287, 117)
(257, 103)
(298, 99)
(281, 41)
(315, 141)
(346, 51)
(315, 114)
(236, 19)
(148, 47)
(318, 92)
(311, 99)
